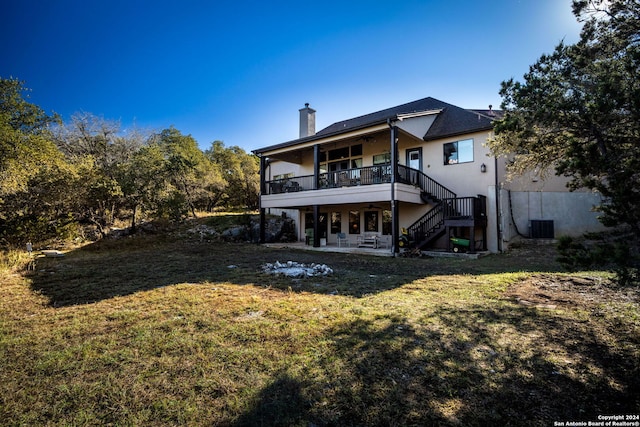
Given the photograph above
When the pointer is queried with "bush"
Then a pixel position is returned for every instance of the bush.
(614, 251)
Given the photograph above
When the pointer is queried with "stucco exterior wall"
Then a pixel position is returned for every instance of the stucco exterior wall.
(279, 168)
(464, 179)
(521, 200)
(571, 212)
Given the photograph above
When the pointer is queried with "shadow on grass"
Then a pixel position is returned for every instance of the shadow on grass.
(495, 363)
(281, 403)
(475, 367)
(112, 268)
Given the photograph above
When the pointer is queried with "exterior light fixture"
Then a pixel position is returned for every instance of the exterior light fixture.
(483, 168)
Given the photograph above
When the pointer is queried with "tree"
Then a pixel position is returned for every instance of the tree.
(101, 152)
(25, 141)
(578, 110)
(241, 171)
(143, 182)
(32, 171)
(185, 168)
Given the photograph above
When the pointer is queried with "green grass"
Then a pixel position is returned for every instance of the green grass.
(160, 330)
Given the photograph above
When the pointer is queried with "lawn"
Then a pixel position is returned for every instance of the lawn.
(170, 329)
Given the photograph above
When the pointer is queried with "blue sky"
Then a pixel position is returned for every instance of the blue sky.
(238, 71)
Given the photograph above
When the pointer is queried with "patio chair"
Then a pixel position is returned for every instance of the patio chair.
(384, 242)
(342, 239)
(344, 180)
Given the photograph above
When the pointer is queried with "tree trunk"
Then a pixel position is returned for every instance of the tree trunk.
(133, 218)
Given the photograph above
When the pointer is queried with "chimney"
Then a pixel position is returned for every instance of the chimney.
(307, 121)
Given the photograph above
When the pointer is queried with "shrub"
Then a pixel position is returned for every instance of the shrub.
(614, 251)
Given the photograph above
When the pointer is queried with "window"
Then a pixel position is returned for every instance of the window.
(322, 223)
(336, 222)
(382, 159)
(354, 222)
(341, 159)
(339, 166)
(458, 152)
(371, 221)
(386, 222)
(339, 153)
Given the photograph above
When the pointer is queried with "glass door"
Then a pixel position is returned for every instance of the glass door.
(414, 158)
(414, 161)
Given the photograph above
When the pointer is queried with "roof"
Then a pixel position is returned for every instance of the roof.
(451, 121)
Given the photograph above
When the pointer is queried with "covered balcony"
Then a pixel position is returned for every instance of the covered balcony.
(380, 174)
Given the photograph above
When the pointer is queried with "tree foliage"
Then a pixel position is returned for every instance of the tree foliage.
(58, 177)
(184, 169)
(578, 110)
(25, 142)
(240, 170)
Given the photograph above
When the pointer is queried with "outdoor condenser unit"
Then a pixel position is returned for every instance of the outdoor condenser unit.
(541, 229)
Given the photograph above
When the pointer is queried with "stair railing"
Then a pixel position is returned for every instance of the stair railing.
(428, 224)
(437, 191)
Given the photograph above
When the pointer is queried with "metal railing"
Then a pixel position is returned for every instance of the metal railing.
(368, 175)
(437, 191)
(464, 208)
(290, 185)
(345, 178)
(455, 208)
(430, 223)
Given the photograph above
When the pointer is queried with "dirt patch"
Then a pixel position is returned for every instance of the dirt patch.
(554, 291)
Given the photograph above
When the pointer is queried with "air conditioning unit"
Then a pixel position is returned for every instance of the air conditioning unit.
(541, 229)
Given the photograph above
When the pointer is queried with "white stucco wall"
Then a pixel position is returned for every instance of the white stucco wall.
(464, 179)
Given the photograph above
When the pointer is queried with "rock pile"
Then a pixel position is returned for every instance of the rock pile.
(295, 269)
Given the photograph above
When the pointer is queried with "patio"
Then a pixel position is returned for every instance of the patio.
(353, 249)
(375, 252)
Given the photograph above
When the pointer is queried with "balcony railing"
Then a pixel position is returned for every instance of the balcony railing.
(465, 208)
(450, 211)
(345, 178)
(434, 189)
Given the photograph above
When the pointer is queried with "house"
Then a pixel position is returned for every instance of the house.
(419, 171)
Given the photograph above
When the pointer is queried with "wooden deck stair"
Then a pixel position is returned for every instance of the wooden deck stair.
(448, 209)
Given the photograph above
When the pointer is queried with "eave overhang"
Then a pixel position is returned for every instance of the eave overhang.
(309, 141)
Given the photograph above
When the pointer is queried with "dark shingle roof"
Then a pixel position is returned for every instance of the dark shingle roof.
(382, 116)
(451, 121)
(456, 121)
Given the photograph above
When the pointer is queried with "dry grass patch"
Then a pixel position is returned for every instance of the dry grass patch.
(160, 331)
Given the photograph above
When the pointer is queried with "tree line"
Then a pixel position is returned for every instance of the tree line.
(58, 177)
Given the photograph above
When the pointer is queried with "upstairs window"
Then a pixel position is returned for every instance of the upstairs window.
(458, 152)
(339, 153)
(342, 159)
(382, 159)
